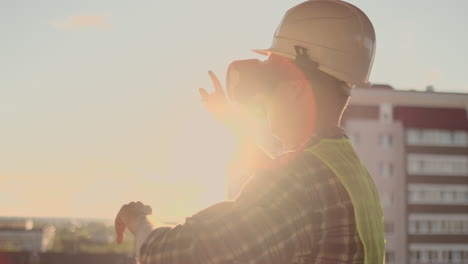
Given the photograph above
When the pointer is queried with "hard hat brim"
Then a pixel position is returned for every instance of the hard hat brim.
(268, 52)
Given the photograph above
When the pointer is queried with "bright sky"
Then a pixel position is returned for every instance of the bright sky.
(99, 103)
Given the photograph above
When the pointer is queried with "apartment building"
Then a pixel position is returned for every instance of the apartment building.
(415, 145)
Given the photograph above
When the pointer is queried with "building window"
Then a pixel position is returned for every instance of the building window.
(456, 256)
(435, 227)
(445, 256)
(424, 256)
(423, 227)
(414, 256)
(437, 137)
(433, 255)
(448, 196)
(452, 227)
(438, 224)
(438, 165)
(386, 112)
(412, 136)
(385, 140)
(437, 194)
(386, 169)
(465, 227)
(464, 256)
(460, 138)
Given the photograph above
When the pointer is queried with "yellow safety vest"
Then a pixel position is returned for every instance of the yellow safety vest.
(340, 157)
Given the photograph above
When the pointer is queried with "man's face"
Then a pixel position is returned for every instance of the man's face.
(270, 98)
(254, 118)
(280, 110)
(290, 112)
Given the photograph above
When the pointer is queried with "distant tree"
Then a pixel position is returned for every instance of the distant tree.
(9, 247)
(94, 237)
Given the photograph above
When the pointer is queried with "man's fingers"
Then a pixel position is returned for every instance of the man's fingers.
(128, 216)
(120, 225)
(120, 222)
(216, 83)
(148, 210)
(203, 93)
(120, 236)
(143, 208)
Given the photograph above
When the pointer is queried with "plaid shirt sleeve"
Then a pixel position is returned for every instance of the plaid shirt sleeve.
(298, 214)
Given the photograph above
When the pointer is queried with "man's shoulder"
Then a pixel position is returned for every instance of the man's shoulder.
(305, 180)
(296, 166)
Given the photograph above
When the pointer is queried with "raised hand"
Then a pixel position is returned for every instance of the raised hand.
(217, 102)
(130, 216)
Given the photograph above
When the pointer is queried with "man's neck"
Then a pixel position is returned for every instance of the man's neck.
(328, 132)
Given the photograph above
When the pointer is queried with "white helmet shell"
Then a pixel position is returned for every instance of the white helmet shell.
(338, 36)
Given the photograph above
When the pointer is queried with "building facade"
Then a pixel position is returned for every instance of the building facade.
(415, 145)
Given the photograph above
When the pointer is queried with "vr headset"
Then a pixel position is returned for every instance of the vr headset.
(249, 80)
(251, 83)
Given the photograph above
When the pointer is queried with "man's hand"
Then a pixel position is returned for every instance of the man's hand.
(217, 102)
(131, 216)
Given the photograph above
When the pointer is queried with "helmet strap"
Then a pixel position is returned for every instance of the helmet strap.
(308, 67)
(304, 62)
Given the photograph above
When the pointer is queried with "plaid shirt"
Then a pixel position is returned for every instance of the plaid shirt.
(299, 213)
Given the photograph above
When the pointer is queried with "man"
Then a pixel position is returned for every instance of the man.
(315, 202)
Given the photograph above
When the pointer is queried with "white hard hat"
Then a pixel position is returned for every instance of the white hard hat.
(338, 36)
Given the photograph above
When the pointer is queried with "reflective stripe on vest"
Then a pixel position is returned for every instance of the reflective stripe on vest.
(341, 159)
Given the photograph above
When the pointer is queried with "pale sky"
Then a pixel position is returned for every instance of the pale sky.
(99, 103)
